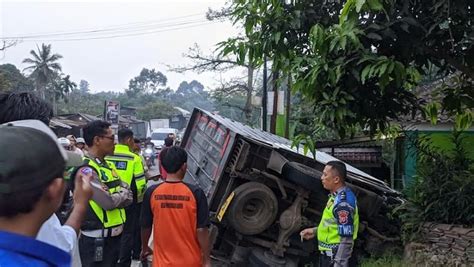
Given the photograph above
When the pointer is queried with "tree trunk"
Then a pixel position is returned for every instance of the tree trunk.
(55, 106)
(248, 102)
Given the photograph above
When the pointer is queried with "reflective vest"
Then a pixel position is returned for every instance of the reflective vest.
(340, 218)
(107, 218)
(130, 169)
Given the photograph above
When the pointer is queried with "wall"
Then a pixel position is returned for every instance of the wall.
(444, 245)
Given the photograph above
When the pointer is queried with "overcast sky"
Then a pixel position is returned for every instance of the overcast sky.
(172, 26)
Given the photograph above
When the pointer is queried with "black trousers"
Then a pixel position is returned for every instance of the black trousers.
(110, 254)
(130, 245)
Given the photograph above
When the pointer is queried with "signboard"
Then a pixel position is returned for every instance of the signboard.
(112, 112)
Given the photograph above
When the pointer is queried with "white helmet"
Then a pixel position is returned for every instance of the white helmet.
(64, 142)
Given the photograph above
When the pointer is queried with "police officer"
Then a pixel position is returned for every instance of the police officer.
(99, 244)
(130, 169)
(340, 220)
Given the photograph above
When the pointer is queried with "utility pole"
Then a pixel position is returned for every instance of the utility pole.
(264, 97)
(288, 109)
(273, 120)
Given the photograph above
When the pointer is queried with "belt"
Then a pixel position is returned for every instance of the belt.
(327, 253)
(109, 232)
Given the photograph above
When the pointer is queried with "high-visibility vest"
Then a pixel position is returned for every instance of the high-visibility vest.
(130, 169)
(340, 218)
(104, 218)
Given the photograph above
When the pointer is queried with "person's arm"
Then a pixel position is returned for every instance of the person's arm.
(308, 233)
(146, 250)
(203, 226)
(146, 222)
(101, 194)
(203, 238)
(344, 215)
(139, 174)
(82, 195)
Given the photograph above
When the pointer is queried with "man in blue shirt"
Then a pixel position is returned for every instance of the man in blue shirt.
(31, 190)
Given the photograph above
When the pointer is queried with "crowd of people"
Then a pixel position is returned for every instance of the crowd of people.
(112, 213)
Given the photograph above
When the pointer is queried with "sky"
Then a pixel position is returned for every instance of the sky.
(171, 27)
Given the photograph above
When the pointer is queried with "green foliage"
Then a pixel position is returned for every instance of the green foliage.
(388, 260)
(84, 86)
(149, 81)
(359, 60)
(12, 80)
(443, 188)
(306, 142)
(155, 110)
(43, 65)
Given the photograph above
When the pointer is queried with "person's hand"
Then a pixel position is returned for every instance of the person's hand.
(82, 188)
(307, 233)
(146, 251)
(206, 263)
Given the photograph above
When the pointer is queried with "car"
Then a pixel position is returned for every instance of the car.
(262, 192)
(158, 136)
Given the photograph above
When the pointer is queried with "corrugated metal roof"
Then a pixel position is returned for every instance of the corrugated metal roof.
(56, 123)
(279, 142)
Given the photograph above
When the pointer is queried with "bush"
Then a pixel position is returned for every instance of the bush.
(443, 188)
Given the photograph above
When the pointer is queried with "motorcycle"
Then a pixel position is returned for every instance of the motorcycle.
(148, 154)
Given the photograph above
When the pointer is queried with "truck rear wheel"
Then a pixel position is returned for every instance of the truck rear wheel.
(253, 209)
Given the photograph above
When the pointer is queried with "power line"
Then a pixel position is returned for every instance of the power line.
(112, 28)
(120, 35)
(108, 32)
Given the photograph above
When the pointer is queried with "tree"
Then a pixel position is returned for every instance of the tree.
(155, 110)
(190, 95)
(229, 90)
(149, 81)
(84, 86)
(60, 88)
(43, 65)
(7, 44)
(359, 60)
(11, 79)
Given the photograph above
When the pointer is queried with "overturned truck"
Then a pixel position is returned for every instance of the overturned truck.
(262, 192)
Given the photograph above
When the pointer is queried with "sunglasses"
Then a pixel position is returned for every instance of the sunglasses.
(109, 137)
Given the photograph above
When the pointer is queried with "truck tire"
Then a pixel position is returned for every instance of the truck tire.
(303, 176)
(253, 209)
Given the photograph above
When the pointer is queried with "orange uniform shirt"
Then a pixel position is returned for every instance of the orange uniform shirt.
(176, 210)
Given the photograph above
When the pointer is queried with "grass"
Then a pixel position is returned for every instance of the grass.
(389, 260)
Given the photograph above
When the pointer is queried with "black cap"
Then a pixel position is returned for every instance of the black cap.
(30, 156)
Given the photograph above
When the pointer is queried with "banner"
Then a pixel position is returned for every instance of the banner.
(112, 112)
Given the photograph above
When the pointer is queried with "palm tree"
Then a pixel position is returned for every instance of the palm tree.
(60, 88)
(43, 67)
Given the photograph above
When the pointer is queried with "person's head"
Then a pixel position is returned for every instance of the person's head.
(174, 161)
(35, 186)
(136, 147)
(24, 106)
(65, 143)
(99, 137)
(334, 175)
(72, 139)
(169, 141)
(172, 136)
(125, 137)
(80, 143)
